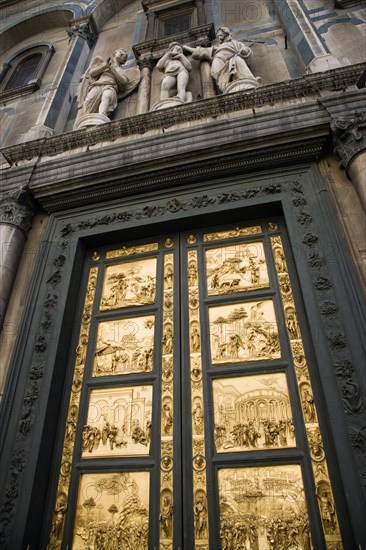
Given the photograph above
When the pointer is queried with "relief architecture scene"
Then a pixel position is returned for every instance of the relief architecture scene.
(182, 275)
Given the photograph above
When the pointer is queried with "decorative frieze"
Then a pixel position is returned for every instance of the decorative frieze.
(308, 86)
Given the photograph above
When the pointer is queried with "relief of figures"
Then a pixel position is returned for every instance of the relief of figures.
(292, 324)
(236, 268)
(327, 508)
(252, 412)
(112, 512)
(119, 422)
(263, 509)
(124, 346)
(166, 514)
(167, 417)
(307, 402)
(200, 515)
(129, 284)
(243, 332)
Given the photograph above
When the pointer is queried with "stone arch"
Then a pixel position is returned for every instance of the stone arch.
(102, 10)
(46, 19)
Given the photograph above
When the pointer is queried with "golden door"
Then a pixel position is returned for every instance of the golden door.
(191, 418)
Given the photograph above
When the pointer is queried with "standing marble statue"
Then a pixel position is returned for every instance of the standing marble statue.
(228, 59)
(102, 85)
(176, 69)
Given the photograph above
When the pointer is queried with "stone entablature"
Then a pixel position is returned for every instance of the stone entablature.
(308, 86)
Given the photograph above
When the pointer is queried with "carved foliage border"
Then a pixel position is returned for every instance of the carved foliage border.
(337, 341)
(347, 379)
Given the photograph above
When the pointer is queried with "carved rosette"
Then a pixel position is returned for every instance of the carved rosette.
(167, 415)
(17, 209)
(349, 137)
(198, 428)
(315, 441)
(58, 519)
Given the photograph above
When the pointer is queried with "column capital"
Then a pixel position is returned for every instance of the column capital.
(84, 27)
(17, 208)
(349, 137)
(146, 62)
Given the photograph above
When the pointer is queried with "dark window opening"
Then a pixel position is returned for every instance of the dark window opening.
(176, 25)
(23, 72)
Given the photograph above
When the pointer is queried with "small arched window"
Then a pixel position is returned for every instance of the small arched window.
(23, 73)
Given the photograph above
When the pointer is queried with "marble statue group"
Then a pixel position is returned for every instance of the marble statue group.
(107, 81)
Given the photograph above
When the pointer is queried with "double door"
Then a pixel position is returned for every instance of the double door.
(191, 418)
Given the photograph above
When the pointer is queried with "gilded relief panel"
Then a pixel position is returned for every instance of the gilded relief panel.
(129, 284)
(124, 346)
(236, 268)
(118, 423)
(252, 412)
(263, 508)
(243, 332)
(200, 505)
(112, 511)
(232, 233)
(131, 250)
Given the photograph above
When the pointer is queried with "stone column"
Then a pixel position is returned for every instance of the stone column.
(143, 97)
(349, 139)
(16, 212)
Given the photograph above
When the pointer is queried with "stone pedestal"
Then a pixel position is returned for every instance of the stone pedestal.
(243, 84)
(89, 120)
(16, 212)
(171, 102)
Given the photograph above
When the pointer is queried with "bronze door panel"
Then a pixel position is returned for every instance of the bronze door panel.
(192, 422)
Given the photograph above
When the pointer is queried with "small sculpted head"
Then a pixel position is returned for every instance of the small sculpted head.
(175, 48)
(120, 56)
(223, 33)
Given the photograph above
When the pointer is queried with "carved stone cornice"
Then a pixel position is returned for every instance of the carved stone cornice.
(311, 85)
(17, 208)
(349, 137)
(347, 3)
(197, 36)
(198, 171)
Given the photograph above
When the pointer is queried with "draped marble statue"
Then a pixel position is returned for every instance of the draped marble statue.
(228, 59)
(102, 86)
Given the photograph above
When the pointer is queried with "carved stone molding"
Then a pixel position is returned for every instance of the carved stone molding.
(200, 36)
(349, 137)
(307, 86)
(346, 376)
(17, 208)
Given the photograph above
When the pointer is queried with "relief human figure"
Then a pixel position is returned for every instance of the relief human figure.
(167, 419)
(176, 68)
(229, 60)
(308, 405)
(103, 82)
(200, 518)
(166, 517)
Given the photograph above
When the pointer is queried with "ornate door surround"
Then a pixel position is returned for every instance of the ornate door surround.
(192, 400)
